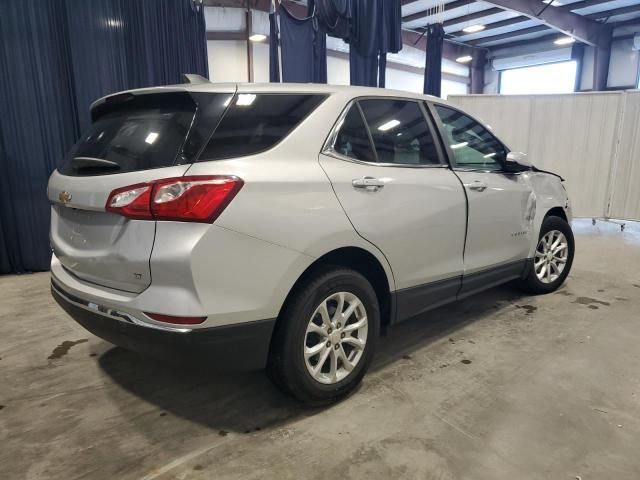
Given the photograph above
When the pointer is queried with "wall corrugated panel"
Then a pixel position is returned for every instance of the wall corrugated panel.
(625, 201)
(509, 117)
(573, 135)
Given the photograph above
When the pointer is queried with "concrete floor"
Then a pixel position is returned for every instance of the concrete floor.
(500, 386)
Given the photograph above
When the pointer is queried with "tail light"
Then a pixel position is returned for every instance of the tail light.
(182, 199)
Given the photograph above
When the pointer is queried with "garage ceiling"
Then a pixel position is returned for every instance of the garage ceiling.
(504, 26)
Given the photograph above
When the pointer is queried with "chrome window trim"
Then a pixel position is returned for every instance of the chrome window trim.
(327, 148)
(112, 313)
(332, 153)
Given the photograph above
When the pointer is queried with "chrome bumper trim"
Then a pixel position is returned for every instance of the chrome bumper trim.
(110, 312)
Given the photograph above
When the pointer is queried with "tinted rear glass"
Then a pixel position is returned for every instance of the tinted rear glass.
(254, 123)
(353, 139)
(138, 134)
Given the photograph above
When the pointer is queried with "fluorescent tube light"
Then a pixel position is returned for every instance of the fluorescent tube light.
(473, 28)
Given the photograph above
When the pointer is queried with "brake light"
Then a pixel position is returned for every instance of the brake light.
(182, 199)
(132, 201)
(175, 320)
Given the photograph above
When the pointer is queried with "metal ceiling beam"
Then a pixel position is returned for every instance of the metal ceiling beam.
(491, 26)
(447, 7)
(472, 16)
(515, 33)
(615, 11)
(633, 21)
(584, 29)
(540, 28)
(520, 19)
(584, 4)
(553, 36)
(450, 50)
(230, 35)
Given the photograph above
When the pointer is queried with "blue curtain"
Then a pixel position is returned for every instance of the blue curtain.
(375, 31)
(274, 60)
(303, 49)
(56, 58)
(433, 62)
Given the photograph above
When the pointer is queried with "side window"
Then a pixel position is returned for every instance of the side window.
(400, 132)
(353, 139)
(472, 144)
(254, 123)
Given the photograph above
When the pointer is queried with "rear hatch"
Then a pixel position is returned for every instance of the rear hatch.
(134, 138)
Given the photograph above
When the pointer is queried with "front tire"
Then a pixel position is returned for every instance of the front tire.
(552, 259)
(326, 336)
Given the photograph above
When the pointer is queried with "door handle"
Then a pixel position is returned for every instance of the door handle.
(476, 185)
(370, 184)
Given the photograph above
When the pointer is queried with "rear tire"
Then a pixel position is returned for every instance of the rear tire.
(552, 259)
(326, 336)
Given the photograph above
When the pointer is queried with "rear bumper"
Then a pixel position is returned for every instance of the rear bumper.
(243, 346)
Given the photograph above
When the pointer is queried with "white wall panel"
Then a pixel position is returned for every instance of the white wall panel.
(508, 116)
(623, 65)
(260, 62)
(574, 135)
(401, 80)
(625, 201)
(337, 71)
(227, 60)
(221, 18)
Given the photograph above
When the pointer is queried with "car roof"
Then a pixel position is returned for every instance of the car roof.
(347, 91)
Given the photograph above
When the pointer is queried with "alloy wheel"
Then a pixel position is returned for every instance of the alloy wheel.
(551, 256)
(335, 338)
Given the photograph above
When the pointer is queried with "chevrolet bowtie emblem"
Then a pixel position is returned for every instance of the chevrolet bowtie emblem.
(65, 197)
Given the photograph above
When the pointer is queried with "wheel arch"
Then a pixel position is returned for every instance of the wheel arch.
(360, 260)
(556, 212)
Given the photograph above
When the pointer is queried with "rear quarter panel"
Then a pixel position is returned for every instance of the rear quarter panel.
(286, 201)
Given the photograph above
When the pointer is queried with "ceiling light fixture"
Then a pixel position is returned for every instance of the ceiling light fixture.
(464, 59)
(257, 37)
(473, 28)
(564, 41)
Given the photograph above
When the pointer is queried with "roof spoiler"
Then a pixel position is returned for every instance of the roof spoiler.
(193, 78)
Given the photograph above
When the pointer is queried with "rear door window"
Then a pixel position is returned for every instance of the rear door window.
(400, 132)
(353, 139)
(254, 123)
(138, 134)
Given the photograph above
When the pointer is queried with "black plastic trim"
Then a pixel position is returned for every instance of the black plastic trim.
(414, 301)
(243, 346)
(476, 282)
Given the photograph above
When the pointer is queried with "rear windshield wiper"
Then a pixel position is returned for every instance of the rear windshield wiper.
(80, 163)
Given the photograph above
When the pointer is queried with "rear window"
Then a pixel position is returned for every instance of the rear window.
(254, 123)
(136, 133)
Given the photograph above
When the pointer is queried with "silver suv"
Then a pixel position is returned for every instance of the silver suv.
(244, 226)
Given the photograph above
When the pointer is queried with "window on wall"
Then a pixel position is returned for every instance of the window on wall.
(550, 78)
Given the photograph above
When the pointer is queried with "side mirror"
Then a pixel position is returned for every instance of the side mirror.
(518, 161)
